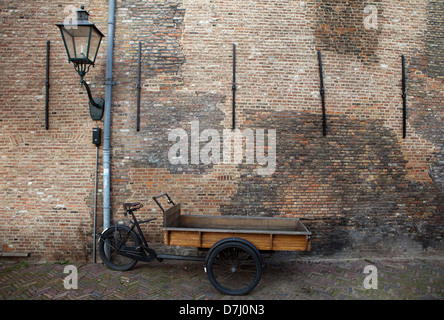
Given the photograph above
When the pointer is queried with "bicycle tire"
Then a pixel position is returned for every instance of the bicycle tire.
(113, 260)
(234, 268)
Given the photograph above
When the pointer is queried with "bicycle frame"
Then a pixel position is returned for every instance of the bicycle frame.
(147, 254)
(136, 224)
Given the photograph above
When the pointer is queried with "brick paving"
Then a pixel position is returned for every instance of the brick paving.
(411, 279)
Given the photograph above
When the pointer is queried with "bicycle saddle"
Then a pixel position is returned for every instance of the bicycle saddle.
(134, 205)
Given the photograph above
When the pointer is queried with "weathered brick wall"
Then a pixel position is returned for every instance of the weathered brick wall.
(361, 189)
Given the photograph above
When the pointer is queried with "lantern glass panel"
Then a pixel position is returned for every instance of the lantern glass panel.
(94, 44)
(77, 43)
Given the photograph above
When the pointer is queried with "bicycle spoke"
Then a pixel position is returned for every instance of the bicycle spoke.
(234, 268)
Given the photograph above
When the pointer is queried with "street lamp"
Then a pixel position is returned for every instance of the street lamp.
(82, 41)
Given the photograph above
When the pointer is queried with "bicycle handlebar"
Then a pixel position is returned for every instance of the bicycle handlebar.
(161, 195)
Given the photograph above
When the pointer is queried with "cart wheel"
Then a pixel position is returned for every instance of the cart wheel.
(234, 267)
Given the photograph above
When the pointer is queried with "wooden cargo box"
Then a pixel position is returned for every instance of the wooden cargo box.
(265, 233)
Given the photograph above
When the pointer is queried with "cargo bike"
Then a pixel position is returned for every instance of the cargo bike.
(233, 261)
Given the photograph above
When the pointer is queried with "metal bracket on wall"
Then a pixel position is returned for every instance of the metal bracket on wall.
(324, 120)
(110, 82)
(404, 101)
(96, 105)
(47, 84)
(234, 88)
(139, 86)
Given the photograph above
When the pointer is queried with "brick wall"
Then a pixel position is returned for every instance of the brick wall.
(361, 189)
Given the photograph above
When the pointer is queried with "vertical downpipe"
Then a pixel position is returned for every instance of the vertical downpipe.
(95, 205)
(107, 123)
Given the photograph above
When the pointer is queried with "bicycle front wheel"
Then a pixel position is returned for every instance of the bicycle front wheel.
(111, 240)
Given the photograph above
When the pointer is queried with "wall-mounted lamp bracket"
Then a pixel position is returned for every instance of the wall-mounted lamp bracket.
(96, 105)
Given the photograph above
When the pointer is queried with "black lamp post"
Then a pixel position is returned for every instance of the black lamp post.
(82, 41)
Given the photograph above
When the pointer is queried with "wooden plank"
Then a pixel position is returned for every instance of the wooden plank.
(241, 222)
(271, 241)
(289, 242)
(166, 238)
(260, 241)
(184, 238)
(308, 248)
(171, 217)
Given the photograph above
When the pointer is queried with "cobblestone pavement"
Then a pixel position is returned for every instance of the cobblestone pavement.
(412, 279)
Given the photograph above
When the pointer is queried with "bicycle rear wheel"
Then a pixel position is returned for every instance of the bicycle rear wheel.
(111, 240)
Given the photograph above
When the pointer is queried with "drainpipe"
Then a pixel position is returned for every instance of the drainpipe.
(107, 121)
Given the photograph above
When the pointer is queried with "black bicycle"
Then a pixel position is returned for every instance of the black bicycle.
(120, 247)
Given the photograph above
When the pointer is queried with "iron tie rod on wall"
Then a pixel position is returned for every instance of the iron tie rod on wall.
(404, 101)
(47, 84)
(322, 90)
(139, 86)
